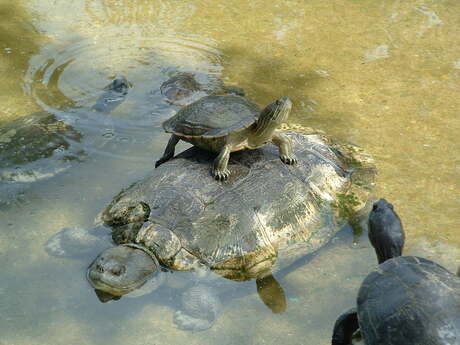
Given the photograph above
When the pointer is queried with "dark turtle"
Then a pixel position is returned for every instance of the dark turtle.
(226, 124)
(245, 229)
(38, 146)
(406, 300)
(183, 88)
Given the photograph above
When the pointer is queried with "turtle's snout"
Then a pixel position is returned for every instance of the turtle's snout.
(382, 204)
(120, 84)
(111, 267)
(118, 270)
(283, 101)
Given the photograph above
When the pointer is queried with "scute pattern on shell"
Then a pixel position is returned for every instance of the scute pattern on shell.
(213, 116)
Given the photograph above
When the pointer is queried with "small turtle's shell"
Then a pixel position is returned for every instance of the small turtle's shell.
(412, 301)
(213, 116)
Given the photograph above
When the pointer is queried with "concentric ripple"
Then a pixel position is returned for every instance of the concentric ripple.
(66, 79)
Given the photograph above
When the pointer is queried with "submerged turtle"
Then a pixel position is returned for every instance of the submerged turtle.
(38, 146)
(183, 88)
(406, 300)
(245, 229)
(115, 93)
(226, 124)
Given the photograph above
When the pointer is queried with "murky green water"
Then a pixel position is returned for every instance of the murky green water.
(384, 75)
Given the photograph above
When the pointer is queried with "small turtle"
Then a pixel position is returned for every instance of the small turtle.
(225, 124)
(245, 229)
(183, 88)
(406, 300)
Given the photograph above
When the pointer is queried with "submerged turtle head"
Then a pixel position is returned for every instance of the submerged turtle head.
(119, 84)
(122, 269)
(179, 88)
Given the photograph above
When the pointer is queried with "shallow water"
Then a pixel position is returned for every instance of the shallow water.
(384, 75)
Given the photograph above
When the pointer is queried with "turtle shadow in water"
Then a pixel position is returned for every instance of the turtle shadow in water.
(273, 77)
(274, 68)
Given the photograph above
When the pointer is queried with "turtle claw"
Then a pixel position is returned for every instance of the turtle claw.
(290, 160)
(221, 175)
(159, 162)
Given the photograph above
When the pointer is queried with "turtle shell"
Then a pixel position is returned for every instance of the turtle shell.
(412, 301)
(213, 116)
(264, 217)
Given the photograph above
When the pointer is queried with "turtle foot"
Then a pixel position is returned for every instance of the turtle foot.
(190, 323)
(221, 175)
(200, 308)
(160, 161)
(290, 160)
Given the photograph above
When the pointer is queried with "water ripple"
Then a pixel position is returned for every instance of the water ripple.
(66, 78)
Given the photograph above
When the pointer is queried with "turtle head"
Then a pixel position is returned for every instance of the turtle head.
(122, 269)
(272, 116)
(386, 233)
(119, 84)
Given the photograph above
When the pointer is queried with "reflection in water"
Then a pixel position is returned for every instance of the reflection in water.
(161, 13)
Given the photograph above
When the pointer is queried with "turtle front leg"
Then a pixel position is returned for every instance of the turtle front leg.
(201, 306)
(344, 327)
(169, 151)
(219, 168)
(285, 147)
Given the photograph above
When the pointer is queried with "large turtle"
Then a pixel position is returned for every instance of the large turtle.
(183, 88)
(226, 124)
(38, 146)
(406, 300)
(266, 217)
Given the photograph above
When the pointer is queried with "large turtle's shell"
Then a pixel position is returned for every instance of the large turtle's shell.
(213, 116)
(411, 301)
(266, 212)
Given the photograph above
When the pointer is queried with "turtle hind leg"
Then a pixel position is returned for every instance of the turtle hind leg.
(272, 294)
(344, 327)
(285, 147)
(169, 151)
(201, 306)
(219, 167)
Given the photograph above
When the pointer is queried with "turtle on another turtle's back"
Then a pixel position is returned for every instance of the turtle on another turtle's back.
(225, 124)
